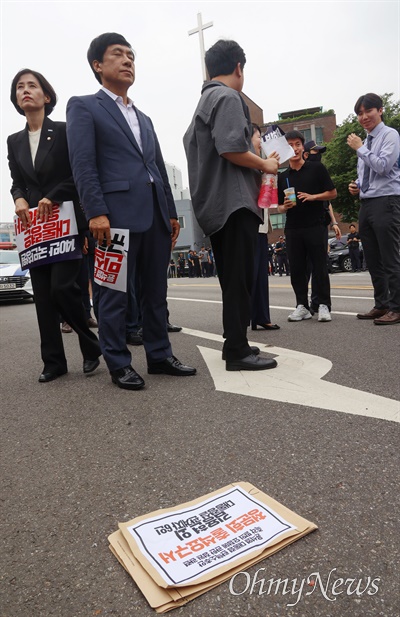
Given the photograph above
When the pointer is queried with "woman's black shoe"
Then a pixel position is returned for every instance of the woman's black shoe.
(266, 326)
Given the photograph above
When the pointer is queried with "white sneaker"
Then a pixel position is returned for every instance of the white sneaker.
(300, 313)
(323, 313)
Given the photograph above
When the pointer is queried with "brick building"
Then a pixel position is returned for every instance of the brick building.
(312, 122)
(256, 113)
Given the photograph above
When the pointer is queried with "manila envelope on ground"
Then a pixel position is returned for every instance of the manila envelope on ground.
(178, 553)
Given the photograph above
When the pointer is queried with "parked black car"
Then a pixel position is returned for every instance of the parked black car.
(339, 258)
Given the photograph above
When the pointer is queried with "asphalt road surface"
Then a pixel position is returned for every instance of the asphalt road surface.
(320, 434)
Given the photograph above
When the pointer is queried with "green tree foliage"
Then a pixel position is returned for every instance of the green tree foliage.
(341, 160)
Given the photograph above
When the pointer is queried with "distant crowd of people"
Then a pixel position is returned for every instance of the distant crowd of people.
(194, 265)
(201, 264)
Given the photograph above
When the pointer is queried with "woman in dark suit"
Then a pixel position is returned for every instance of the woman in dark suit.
(41, 177)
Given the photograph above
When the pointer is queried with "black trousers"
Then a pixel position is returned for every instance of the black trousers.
(379, 228)
(283, 264)
(260, 293)
(90, 263)
(271, 264)
(204, 269)
(355, 258)
(234, 248)
(314, 293)
(57, 292)
(83, 282)
(303, 244)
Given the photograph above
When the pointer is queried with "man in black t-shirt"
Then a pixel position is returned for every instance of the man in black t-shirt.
(190, 264)
(196, 262)
(271, 259)
(181, 265)
(353, 242)
(281, 255)
(305, 228)
(313, 153)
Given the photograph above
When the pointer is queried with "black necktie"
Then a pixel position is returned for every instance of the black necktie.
(365, 181)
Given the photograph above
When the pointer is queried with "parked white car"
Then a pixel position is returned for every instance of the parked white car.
(15, 283)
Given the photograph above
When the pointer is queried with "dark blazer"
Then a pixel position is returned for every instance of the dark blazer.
(110, 171)
(51, 175)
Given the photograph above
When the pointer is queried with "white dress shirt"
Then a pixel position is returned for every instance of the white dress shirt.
(129, 113)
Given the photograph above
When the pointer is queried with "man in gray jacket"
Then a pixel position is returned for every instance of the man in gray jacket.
(224, 178)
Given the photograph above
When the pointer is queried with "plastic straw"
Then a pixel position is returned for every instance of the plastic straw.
(287, 182)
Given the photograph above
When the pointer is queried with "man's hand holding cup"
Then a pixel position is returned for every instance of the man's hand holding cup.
(290, 198)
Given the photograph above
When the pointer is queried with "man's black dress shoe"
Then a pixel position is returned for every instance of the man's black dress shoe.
(251, 363)
(90, 365)
(134, 338)
(255, 350)
(172, 328)
(127, 378)
(170, 366)
(51, 375)
(266, 326)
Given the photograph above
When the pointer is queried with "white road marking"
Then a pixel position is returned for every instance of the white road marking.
(283, 308)
(371, 299)
(297, 379)
(195, 300)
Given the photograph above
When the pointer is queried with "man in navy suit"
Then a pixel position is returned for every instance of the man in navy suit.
(122, 183)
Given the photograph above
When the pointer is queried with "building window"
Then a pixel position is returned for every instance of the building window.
(319, 135)
(278, 221)
(306, 134)
(181, 220)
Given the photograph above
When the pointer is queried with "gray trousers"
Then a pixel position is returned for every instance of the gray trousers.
(379, 228)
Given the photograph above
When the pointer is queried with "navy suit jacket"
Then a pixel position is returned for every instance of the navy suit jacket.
(110, 171)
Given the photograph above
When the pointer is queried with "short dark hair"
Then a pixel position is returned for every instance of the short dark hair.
(44, 84)
(295, 135)
(369, 101)
(99, 45)
(352, 225)
(223, 57)
(255, 128)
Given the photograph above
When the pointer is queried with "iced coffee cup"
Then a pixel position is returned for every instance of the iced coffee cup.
(290, 193)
